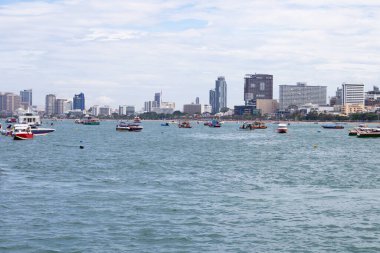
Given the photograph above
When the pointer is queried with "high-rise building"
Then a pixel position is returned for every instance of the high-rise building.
(126, 110)
(26, 97)
(9, 102)
(60, 106)
(220, 93)
(212, 100)
(197, 100)
(50, 104)
(157, 99)
(192, 108)
(67, 106)
(105, 110)
(148, 105)
(79, 102)
(352, 93)
(257, 86)
(218, 96)
(301, 94)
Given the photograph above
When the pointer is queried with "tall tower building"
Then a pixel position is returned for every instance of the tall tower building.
(9, 102)
(352, 93)
(197, 100)
(220, 93)
(50, 103)
(79, 102)
(157, 99)
(26, 97)
(257, 86)
(212, 101)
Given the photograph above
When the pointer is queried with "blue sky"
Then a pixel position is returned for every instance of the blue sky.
(123, 51)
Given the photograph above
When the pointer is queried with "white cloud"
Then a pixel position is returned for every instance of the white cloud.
(127, 50)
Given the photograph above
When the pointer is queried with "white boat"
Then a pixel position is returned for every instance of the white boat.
(34, 121)
(282, 128)
(30, 119)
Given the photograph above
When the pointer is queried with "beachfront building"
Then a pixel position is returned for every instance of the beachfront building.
(294, 96)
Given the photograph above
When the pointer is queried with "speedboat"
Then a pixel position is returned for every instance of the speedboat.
(184, 124)
(165, 124)
(22, 132)
(214, 123)
(282, 128)
(122, 126)
(134, 127)
(247, 126)
(259, 125)
(41, 130)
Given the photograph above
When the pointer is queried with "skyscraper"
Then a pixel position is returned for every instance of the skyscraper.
(26, 97)
(197, 100)
(79, 102)
(60, 106)
(212, 100)
(50, 104)
(220, 93)
(157, 99)
(257, 86)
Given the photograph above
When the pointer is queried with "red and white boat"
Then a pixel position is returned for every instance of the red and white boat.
(282, 128)
(22, 132)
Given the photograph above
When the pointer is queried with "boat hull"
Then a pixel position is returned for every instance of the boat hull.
(23, 136)
(282, 131)
(91, 123)
(42, 131)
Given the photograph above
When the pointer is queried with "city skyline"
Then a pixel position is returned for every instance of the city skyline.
(64, 47)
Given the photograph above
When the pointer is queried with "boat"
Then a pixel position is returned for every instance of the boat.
(11, 120)
(77, 121)
(165, 124)
(332, 126)
(259, 125)
(30, 119)
(369, 133)
(184, 124)
(137, 120)
(354, 131)
(214, 123)
(282, 128)
(22, 132)
(41, 130)
(134, 127)
(89, 120)
(122, 126)
(247, 126)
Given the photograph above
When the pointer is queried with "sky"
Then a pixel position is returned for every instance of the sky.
(121, 52)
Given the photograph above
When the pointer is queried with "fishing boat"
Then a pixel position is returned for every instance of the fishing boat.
(184, 124)
(122, 126)
(137, 120)
(259, 125)
(332, 126)
(22, 132)
(369, 133)
(89, 120)
(247, 126)
(282, 128)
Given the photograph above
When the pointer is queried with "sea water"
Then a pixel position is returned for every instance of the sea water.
(202, 189)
